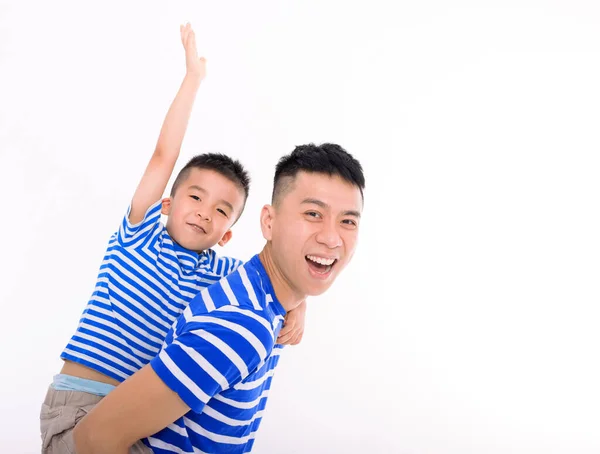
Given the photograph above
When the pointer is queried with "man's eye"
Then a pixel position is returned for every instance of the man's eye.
(351, 222)
(313, 214)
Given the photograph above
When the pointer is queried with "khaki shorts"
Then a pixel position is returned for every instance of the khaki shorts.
(61, 411)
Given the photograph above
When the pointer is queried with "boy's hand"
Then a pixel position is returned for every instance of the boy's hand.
(293, 327)
(194, 65)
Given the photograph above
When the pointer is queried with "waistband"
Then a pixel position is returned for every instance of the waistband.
(63, 382)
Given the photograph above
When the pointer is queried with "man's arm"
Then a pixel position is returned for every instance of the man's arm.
(161, 165)
(139, 407)
(207, 356)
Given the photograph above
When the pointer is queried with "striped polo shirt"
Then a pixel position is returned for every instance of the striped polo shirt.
(145, 281)
(219, 358)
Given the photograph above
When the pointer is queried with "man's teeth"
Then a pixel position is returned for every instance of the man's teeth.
(320, 260)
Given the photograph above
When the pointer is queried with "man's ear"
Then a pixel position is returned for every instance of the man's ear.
(226, 237)
(267, 215)
(166, 206)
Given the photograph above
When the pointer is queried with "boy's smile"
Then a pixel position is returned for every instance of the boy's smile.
(197, 228)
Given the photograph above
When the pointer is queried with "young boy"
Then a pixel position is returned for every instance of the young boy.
(150, 271)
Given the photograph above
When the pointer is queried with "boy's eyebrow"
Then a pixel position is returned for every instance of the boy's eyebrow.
(197, 188)
(325, 206)
(227, 204)
(223, 201)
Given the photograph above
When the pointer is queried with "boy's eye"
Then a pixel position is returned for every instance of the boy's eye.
(222, 212)
(195, 197)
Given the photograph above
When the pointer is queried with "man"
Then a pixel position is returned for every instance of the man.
(207, 388)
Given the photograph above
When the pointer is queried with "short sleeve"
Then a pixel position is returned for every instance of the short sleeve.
(214, 352)
(129, 233)
(223, 266)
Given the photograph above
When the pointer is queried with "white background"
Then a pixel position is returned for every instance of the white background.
(468, 320)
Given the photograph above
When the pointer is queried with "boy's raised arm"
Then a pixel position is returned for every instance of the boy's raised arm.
(161, 165)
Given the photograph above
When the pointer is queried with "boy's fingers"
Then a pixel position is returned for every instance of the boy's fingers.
(284, 340)
(184, 36)
(192, 40)
(288, 328)
(297, 338)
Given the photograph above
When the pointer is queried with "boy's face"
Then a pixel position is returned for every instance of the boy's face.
(203, 209)
(314, 230)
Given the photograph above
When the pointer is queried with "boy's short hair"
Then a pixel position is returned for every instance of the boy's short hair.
(328, 158)
(231, 169)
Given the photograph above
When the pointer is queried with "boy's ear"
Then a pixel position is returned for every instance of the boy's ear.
(266, 220)
(166, 206)
(226, 237)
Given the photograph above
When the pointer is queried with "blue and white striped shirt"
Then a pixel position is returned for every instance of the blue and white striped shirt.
(219, 358)
(145, 281)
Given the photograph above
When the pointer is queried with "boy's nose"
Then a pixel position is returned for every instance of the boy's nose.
(201, 215)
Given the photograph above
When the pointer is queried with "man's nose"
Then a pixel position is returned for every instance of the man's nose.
(329, 236)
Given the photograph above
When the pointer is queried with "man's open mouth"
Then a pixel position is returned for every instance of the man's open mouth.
(320, 265)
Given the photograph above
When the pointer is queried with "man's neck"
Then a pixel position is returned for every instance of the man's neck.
(284, 292)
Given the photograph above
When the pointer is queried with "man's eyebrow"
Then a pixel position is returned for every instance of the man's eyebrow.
(354, 213)
(316, 202)
(325, 206)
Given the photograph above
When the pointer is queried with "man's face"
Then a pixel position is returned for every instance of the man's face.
(203, 209)
(314, 230)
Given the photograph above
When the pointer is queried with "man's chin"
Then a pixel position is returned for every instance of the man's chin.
(316, 289)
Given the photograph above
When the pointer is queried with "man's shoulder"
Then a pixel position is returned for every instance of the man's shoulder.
(242, 291)
(231, 324)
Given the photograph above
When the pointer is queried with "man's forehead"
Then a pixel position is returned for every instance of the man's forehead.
(329, 189)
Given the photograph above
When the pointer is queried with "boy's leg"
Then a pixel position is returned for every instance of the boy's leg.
(140, 448)
(61, 411)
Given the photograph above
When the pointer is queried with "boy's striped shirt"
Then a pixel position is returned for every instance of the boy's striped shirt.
(145, 281)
